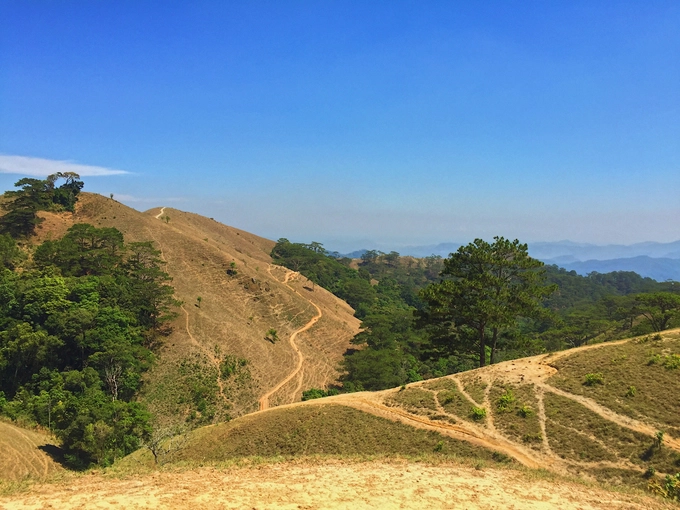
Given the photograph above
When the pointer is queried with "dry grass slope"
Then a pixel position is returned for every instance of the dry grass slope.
(235, 311)
(24, 454)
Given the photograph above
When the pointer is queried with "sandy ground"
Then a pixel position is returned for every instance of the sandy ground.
(337, 485)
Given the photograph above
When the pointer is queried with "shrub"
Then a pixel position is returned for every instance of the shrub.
(272, 336)
(632, 391)
(669, 488)
(506, 400)
(593, 379)
(654, 359)
(658, 439)
(525, 411)
(318, 393)
(672, 361)
(478, 413)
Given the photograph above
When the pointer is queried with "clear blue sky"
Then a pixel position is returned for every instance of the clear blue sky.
(363, 122)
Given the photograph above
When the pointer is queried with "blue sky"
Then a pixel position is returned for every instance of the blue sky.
(357, 123)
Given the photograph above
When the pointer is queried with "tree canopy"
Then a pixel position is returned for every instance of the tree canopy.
(485, 289)
(77, 331)
(22, 205)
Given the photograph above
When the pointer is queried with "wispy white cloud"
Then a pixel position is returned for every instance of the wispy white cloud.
(39, 167)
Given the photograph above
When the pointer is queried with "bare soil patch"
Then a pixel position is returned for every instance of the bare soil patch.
(331, 484)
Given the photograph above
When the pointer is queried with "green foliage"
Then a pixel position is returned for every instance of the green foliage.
(659, 308)
(485, 289)
(672, 361)
(525, 411)
(658, 438)
(412, 330)
(478, 413)
(506, 400)
(669, 488)
(632, 391)
(20, 219)
(10, 254)
(272, 335)
(593, 379)
(313, 262)
(318, 393)
(75, 338)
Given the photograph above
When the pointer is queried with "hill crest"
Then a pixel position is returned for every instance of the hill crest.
(243, 296)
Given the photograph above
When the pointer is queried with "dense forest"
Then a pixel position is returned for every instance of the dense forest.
(79, 320)
(400, 342)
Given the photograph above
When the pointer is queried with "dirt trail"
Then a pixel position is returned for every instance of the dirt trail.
(264, 400)
(527, 371)
(461, 430)
(208, 354)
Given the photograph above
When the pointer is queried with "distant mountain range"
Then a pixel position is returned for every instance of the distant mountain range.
(660, 269)
(660, 261)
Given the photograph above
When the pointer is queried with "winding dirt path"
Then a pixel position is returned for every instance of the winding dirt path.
(526, 371)
(461, 430)
(158, 216)
(264, 400)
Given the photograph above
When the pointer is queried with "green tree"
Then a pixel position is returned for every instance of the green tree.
(659, 308)
(485, 289)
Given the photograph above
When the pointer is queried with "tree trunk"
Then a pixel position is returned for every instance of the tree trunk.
(482, 347)
(494, 340)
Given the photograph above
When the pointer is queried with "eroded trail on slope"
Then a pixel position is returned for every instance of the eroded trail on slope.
(214, 360)
(532, 372)
(264, 400)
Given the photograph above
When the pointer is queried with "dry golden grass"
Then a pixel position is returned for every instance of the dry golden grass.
(327, 483)
(25, 454)
(235, 311)
(632, 383)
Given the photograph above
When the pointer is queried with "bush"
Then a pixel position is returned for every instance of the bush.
(506, 400)
(525, 411)
(313, 393)
(478, 413)
(672, 361)
(669, 488)
(593, 379)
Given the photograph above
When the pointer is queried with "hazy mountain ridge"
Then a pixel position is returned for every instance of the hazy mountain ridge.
(660, 261)
(660, 269)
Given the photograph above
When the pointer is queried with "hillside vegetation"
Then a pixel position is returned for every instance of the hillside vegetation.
(121, 326)
(540, 412)
(413, 326)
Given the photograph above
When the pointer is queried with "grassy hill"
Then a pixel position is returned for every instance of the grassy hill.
(243, 296)
(26, 454)
(572, 413)
(535, 429)
(252, 335)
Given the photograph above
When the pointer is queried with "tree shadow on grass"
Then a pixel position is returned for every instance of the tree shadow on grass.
(56, 454)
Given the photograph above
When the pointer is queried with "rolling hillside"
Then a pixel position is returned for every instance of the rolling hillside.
(595, 412)
(231, 321)
(529, 433)
(26, 454)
